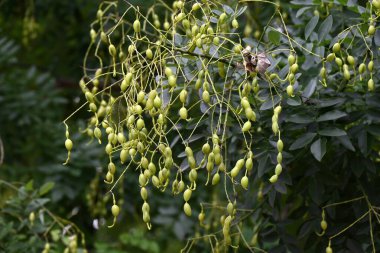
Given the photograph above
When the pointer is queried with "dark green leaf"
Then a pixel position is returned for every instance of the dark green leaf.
(318, 149)
(332, 132)
(331, 115)
(274, 37)
(45, 188)
(269, 103)
(325, 28)
(310, 88)
(345, 140)
(300, 118)
(311, 26)
(302, 141)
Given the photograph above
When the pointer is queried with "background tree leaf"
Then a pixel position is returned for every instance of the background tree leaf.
(318, 149)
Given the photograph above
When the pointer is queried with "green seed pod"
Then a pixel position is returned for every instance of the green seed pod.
(278, 169)
(111, 168)
(211, 158)
(273, 179)
(346, 74)
(193, 175)
(108, 148)
(290, 90)
(157, 24)
(245, 103)
(192, 162)
(109, 177)
(187, 195)
(275, 128)
(145, 207)
(230, 211)
(103, 37)
(132, 152)
(371, 30)
(140, 124)
(181, 186)
(362, 68)
(371, 85)
(146, 217)
(187, 209)
(183, 96)
(97, 132)
(222, 167)
(206, 149)
(140, 97)
(199, 42)
(89, 96)
(186, 24)
(206, 96)
(131, 49)
(149, 54)
(157, 102)
(249, 164)
(69, 144)
(93, 35)
(322, 73)
(291, 77)
(222, 17)
(247, 126)
(189, 151)
(279, 157)
(166, 25)
(194, 30)
(210, 31)
(280, 145)
(244, 182)
(172, 80)
(144, 162)
(201, 217)
(237, 49)
(294, 68)
(215, 179)
(218, 159)
(370, 66)
(336, 48)
(142, 180)
(137, 26)
(152, 168)
(330, 57)
(216, 41)
(123, 155)
(273, 76)
(351, 60)
(215, 139)
(144, 193)
(183, 113)
(338, 61)
(32, 217)
(376, 4)
(291, 59)
(251, 115)
(329, 250)
(196, 7)
(180, 17)
(155, 181)
(112, 50)
(115, 210)
(235, 171)
(235, 24)
(323, 225)
(240, 163)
